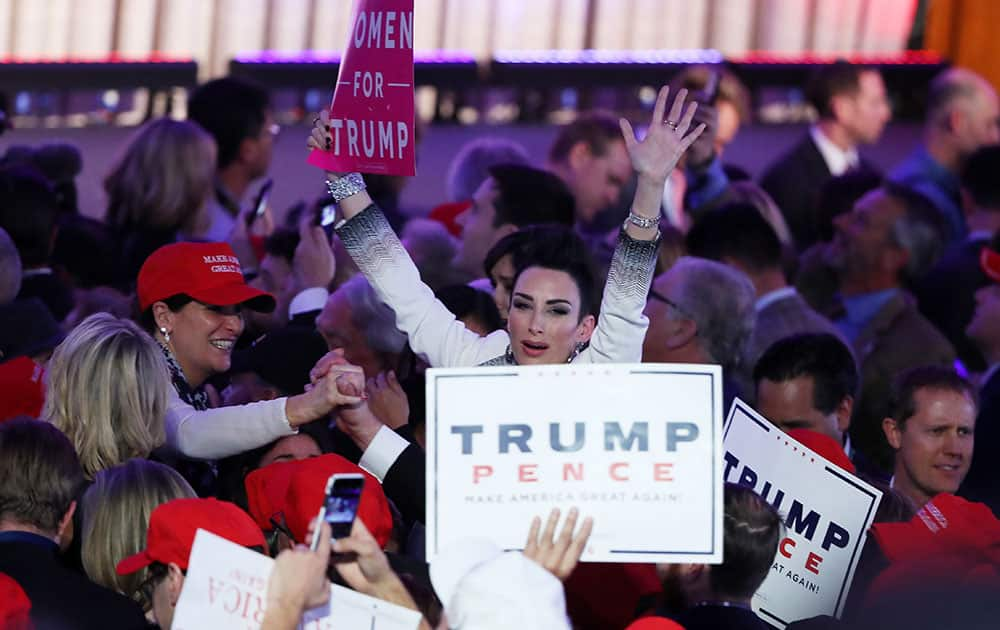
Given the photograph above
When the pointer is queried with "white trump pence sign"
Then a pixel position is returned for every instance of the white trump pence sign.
(826, 510)
(637, 447)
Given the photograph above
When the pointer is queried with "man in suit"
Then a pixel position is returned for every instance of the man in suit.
(853, 110)
(737, 235)
(890, 238)
(963, 114)
(946, 295)
(984, 330)
(40, 478)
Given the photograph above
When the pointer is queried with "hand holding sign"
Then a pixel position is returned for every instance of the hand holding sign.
(372, 114)
(558, 556)
(665, 142)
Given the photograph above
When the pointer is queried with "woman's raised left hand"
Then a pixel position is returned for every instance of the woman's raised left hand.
(656, 155)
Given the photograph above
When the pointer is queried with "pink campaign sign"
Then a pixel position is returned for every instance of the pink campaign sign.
(371, 118)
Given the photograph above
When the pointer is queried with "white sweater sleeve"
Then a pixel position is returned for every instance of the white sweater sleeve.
(433, 331)
(621, 326)
(217, 433)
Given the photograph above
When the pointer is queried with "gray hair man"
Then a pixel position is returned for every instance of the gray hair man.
(701, 311)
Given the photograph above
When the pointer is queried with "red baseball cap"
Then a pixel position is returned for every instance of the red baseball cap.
(267, 491)
(989, 260)
(447, 215)
(824, 446)
(654, 623)
(208, 272)
(307, 487)
(22, 382)
(949, 540)
(15, 606)
(172, 527)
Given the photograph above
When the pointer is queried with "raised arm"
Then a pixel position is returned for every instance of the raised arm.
(433, 331)
(622, 326)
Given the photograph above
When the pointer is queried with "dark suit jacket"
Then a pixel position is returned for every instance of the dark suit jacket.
(783, 318)
(946, 296)
(50, 290)
(983, 482)
(718, 617)
(62, 599)
(405, 484)
(896, 339)
(794, 182)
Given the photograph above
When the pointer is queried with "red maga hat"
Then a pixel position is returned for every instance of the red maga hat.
(824, 446)
(989, 260)
(172, 527)
(15, 607)
(307, 487)
(208, 272)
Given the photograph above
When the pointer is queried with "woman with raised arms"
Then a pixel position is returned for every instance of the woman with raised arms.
(552, 306)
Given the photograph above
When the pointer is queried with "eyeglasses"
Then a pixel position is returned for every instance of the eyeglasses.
(656, 295)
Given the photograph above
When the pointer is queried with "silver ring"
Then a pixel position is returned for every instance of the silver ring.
(670, 124)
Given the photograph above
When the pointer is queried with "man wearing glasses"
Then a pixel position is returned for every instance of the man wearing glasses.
(701, 311)
(238, 116)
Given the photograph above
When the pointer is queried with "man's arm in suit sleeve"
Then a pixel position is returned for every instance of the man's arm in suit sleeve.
(400, 466)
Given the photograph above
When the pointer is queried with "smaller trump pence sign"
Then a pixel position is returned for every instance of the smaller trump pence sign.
(826, 510)
(637, 447)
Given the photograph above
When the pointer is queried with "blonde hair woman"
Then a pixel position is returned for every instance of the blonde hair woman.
(116, 511)
(158, 189)
(107, 390)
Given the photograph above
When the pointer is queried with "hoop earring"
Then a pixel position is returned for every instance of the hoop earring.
(165, 333)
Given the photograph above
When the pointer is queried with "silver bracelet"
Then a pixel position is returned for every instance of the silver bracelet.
(344, 187)
(643, 222)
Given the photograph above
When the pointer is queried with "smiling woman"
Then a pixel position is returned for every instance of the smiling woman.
(192, 297)
(551, 310)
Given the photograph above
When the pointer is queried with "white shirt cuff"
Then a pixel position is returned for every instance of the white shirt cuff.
(383, 451)
(308, 300)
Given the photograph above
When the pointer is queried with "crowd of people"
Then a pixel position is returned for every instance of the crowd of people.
(189, 362)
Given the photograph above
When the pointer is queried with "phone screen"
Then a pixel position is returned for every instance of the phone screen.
(260, 203)
(342, 504)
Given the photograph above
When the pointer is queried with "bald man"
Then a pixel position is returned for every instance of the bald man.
(963, 114)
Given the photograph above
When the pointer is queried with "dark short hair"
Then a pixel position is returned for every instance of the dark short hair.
(596, 129)
(231, 110)
(737, 231)
(530, 196)
(751, 531)
(839, 194)
(507, 244)
(175, 303)
(40, 473)
(834, 79)
(820, 356)
(981, 176)
(559, 248)
(29, 209)
(903, 401)
(464, 301)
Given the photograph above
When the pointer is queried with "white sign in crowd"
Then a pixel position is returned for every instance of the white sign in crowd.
(637, 447)
(226, 587)
(827, 512)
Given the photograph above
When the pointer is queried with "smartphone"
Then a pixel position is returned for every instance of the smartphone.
(340, 505)
(260, 202)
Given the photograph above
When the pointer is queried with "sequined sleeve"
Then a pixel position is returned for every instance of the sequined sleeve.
(433, 331)
(621, 326)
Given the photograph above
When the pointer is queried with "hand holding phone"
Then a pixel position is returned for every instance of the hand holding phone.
(260, 202)
(340, 505)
